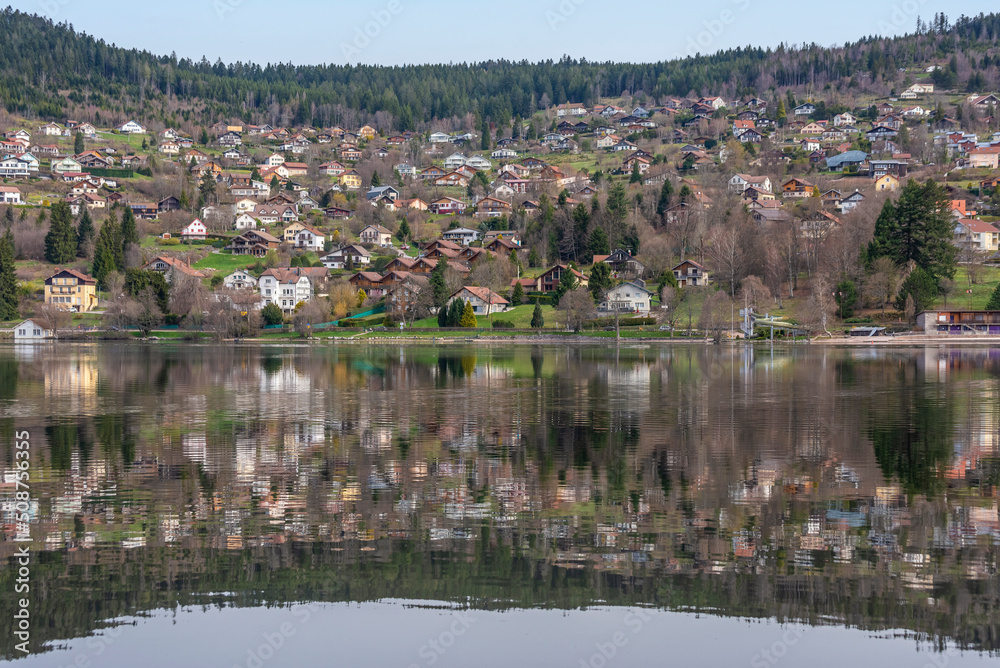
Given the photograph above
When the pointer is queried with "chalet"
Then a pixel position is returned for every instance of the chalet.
(491, 207)
(332, 168)
(550, 279)
(690, 274)
(380, 192)
(740, 182)
(245, 221)
(751, 136)
(406, 171)
(71, 290)
(977, 235)
(253, 242)
(230, 139)
(881, 132)
(240, 280)
(350, 180)
(879, 168)
(131, 128)
(145, 210)
(300, 235)
(797, 187)
(852, 201)
(462, 235)
(171, 268)
(347, 257)
(447, 206)
(195, 231)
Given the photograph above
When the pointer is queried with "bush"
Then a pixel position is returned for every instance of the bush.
(503, 324)
(623, 322)
(172, 241)
(272, 315)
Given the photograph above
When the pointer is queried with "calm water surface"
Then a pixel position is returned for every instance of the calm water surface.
(503, 506)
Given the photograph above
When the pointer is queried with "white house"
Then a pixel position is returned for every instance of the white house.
(503, 154)
(131, 128)
(630, 297)
(51, 130)
(845, 118)
(10, 195)
(462, 235)
(245, 221)
(406, 171)
(285, 288)
(977, 234)
(479, 162)
(439, 138)
(274, 160)
(454, 161)
(240, 280)
(303, 236)
(195, 231)
(64, 165)
(29, 330)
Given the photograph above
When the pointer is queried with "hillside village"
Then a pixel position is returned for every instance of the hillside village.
(667, 213)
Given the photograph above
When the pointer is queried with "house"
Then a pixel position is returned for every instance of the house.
(51, 130)
(169, 148)
(9, 195)
(690, 274)
(416, 204)
(817, 225)
(844, 160)
(240, 280)
(570, 109)
(881, 132)
(447, 206)
(751, 136)
(195, 231)
(977, 235)
(797, 187)
(462, 235)
(452, 179)
(350, 180)
(807, 109)
(14, 168)
(491, 207)
(406, 171)
(230, 139)
(852, 201)
(197, 156)
(332, 168)
(505, 235)
(887, 182)
(960, 322)
(984, 157)
(131, 128)
(484, 301)
(632, 297)
(172, 267)
(550, 279)
(29, 330)
(377, 193)
(170, 203)
(285, 287)
(348, 257)
(245, 221)
(740, 182)
(144, 210)
(253, 242)
(376, 235)
(301, 235)
(845, 118)
(71, 290)
(879, 168)
(831, 198)
(622, 262)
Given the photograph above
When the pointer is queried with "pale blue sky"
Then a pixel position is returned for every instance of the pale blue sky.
(442, 31)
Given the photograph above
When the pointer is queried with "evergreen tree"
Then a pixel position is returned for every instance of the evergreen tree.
(443, 316)
(8, 279)
(994, 303)
(84, 233)
(60, 242)
(403, 233)
(917, 227)
(376, 179)
(517, 295)
(8, 216)
(255, 174)
(636, 176)
(598, 244)
(106, 251)
(128, 232)
(206, 188)
(203, 140)
(921, 286)
(185, 201)
(567, 282)
(666, 192)
(439, 289)
(600, 280)
(78, 145)
(455, 313)
(782, 114)
(468, 316)
(537, 320)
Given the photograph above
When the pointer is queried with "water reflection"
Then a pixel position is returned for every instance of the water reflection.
(853, 487)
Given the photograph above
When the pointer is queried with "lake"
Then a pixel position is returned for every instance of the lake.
(499, 505)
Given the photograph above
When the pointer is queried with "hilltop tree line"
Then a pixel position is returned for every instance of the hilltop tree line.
(39, 59)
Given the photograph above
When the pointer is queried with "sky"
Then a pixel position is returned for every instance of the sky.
(391, 32)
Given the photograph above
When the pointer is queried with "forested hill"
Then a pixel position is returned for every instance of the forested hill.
(50, 71)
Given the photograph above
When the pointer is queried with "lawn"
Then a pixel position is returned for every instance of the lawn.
(519, 315)
(224, 262)
(972, 297)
